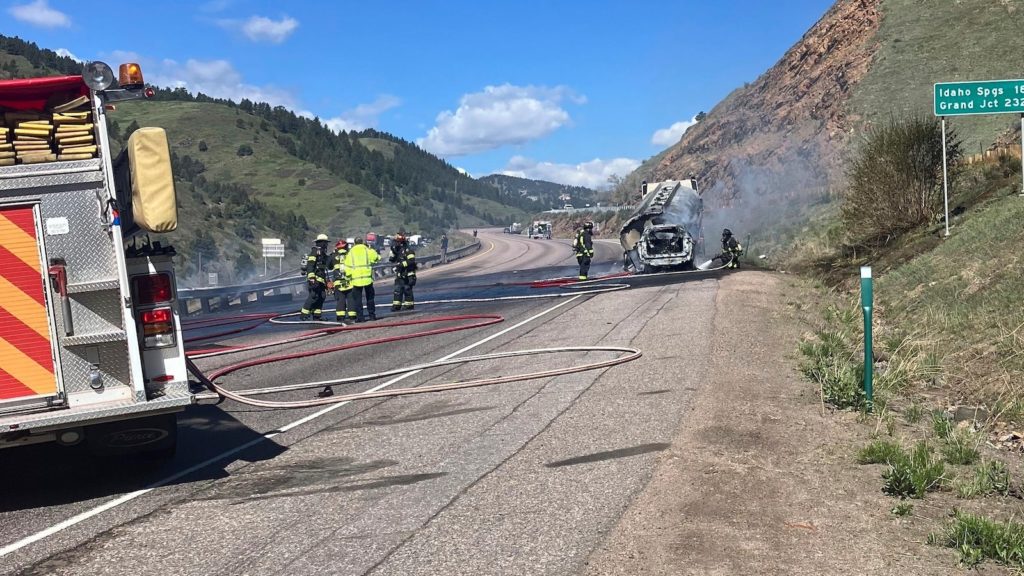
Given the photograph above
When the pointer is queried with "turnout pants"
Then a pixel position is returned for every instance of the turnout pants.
(584, 265)
(341, 304)
(315, 300)
(403, 294)
(355, 302)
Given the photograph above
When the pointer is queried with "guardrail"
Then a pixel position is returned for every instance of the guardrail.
(206, 300)
(590, 209)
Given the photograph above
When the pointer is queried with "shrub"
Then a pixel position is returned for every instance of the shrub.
(244, 150)
(977, 538)
(880, 452)
(202, 146)
(895, 179)
(914, 474)
(990, 477)
(961, 447)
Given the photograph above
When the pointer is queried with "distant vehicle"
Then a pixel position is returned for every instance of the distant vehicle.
(515, 228)
(567, 207)
(415, 239)
(541, 229)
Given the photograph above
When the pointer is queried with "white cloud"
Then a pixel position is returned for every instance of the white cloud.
(39, 13)
(263, 29)
(67, 54)
(592, 174)
(499, 116)
(672, 134)
(363, 116)
(216, 78)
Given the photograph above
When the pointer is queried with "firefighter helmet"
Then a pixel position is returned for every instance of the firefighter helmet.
(588, 225)
(726, 233)
(341, 244)
(400, 238)
(322, 238)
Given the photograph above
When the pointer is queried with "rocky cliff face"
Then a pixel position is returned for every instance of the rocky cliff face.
(780, 136)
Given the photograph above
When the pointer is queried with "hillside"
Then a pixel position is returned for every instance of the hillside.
(547, 194)
(247, 170)
(775, 147)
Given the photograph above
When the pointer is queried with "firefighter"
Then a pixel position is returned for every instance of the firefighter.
(342, 286)
(583, 246)
(731, 250)
(404, 260)
(317, 267)
(358, 269)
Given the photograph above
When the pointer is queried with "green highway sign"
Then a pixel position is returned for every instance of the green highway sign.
(986, 97)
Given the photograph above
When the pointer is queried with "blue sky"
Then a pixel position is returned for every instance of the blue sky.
(570, 91)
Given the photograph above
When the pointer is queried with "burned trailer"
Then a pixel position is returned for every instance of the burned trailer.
(659, 235)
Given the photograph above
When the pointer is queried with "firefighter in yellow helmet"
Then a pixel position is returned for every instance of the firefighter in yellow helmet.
(583, 246)
(317, 267)
(359, 262)
(404, 260)
(342, 286)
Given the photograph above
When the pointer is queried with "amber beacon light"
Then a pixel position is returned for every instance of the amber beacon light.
(130, 76)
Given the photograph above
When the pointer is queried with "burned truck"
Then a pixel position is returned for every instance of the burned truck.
(659, 235)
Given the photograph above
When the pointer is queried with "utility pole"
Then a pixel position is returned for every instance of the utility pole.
(381, 191)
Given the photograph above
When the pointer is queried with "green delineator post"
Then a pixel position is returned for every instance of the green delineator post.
(866, 300)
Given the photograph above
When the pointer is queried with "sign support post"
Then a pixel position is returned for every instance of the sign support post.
(1021, 155)
(945, 175)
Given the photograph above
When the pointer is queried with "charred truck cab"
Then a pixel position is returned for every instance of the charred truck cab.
(659, 235)
(90, 339)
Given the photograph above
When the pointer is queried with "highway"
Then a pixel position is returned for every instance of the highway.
(522, 478)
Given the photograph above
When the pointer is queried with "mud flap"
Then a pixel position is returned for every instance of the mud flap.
(152, 437)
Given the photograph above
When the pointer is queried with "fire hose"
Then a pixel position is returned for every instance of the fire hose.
(480, 320)
(569, 287)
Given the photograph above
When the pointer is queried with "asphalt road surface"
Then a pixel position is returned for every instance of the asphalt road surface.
(522, 478)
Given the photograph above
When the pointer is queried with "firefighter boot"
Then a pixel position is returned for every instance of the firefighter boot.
(326, 392)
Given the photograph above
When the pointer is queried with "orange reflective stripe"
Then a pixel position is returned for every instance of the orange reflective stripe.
(24, 307)
(26, 370)
(19, 243)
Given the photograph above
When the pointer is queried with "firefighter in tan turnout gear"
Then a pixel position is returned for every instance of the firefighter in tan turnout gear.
(318, 267)
(583, 246)
(404, 260)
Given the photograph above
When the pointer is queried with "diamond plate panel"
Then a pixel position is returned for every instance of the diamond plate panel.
(61, 174)
(92, 313)
(96, 338)
(95, 286)
(176, 399)
(112, 362)
(87, 247)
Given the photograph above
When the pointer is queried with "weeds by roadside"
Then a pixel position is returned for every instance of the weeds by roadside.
(911, 475)
(977, 538)
(990, 477)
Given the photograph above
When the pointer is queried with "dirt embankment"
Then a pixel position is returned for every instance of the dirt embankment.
(781, 135)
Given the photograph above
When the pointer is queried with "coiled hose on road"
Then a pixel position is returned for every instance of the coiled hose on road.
(571, 287)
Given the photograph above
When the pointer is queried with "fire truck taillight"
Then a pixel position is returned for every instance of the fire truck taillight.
(157, 328)
(152, 289)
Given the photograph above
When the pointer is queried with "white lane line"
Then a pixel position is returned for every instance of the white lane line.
(79, 518)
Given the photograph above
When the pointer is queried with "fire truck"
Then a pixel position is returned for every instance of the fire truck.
(90, 339)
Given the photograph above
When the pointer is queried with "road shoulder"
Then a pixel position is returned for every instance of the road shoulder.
(758, 480)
